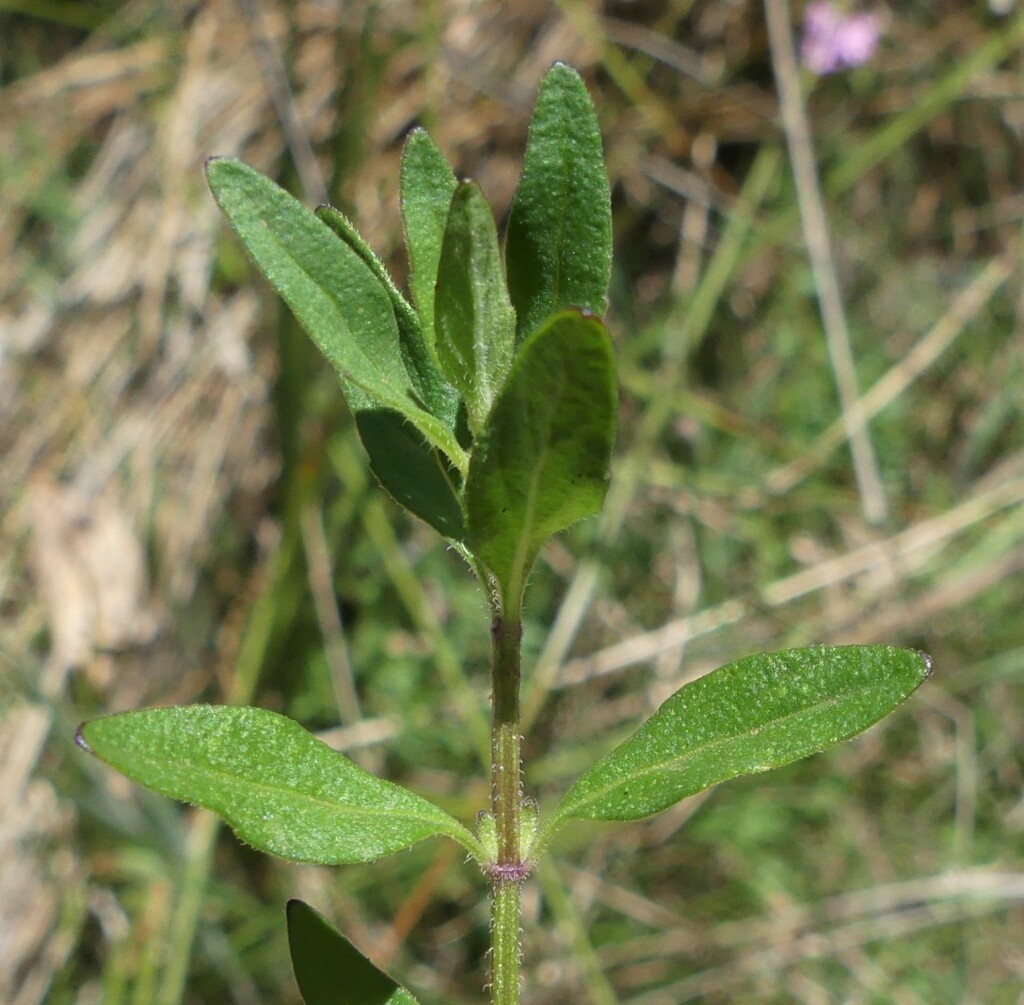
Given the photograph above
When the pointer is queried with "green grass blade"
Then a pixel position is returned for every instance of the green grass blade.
(758, 713)
(558, 246)
(330, 970)
(282, 790)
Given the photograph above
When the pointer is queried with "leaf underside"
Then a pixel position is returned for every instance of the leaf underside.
(330, 970)
(412, 472)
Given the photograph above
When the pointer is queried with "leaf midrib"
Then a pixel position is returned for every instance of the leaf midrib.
(316, 801)
(703, 748)
(336, 301)
(563, 217)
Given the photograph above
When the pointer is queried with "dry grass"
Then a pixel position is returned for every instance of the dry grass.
(145, 475)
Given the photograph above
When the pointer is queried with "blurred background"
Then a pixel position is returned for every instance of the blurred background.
(185, 512)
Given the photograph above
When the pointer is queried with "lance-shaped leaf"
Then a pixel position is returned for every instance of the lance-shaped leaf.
(280, 788)
(334, 294)
(330, 970)
(542, 460)
(474, 324)
(758, 713)
(427, 186)
(434, 391)
(558, 244)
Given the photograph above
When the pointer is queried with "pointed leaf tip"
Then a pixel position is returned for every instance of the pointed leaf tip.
(80, 739)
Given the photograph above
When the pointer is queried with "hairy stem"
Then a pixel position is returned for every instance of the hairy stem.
(508, 871)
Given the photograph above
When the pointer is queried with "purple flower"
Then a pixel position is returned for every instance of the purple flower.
(834, 41)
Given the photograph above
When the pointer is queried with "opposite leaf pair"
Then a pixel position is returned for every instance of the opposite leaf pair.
(487, 406)
(286, 792)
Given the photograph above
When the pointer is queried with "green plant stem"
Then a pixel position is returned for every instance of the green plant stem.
(506, 801)
(505, 943)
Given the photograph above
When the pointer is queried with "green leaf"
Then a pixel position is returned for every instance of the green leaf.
(558, 245)
(427, 187)
(474, 324)
(431, 387)
(282, 790)
(542, 460)
(417, 476)
(330, 970)
(758, 713)
(336, 297)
